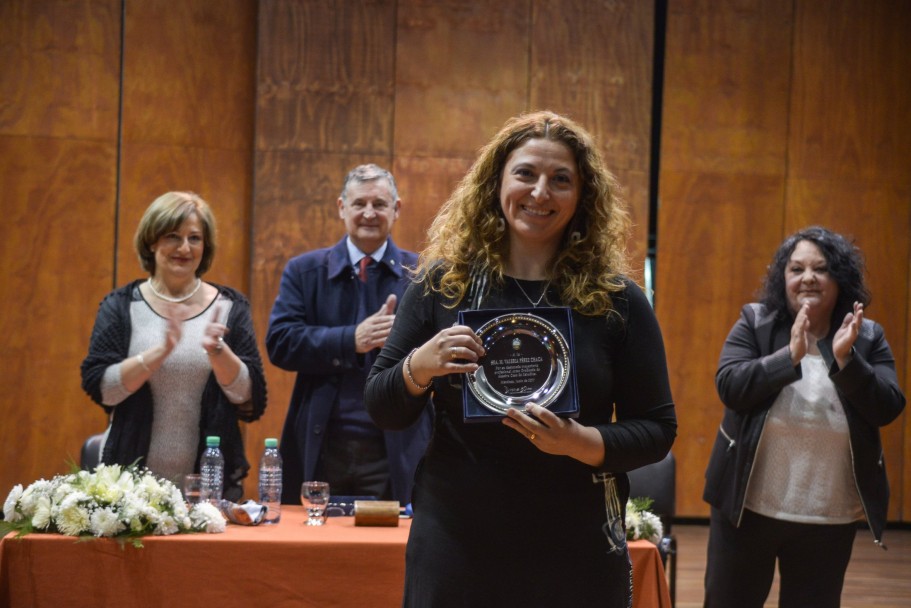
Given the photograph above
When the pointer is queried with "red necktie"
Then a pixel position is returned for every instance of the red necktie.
(365, 261)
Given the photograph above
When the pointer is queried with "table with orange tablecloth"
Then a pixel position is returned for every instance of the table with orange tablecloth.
(284, 565)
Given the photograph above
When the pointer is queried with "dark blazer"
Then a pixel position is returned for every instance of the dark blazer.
(311, 332)
(756, 365)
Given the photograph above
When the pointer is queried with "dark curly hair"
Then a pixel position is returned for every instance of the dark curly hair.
(845, 265)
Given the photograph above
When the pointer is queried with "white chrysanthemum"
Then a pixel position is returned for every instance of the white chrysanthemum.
(63, 489)
(166, 525)
(105, 522)
(653, 526)
(28, 500)
(42, 516)
(633, 522)
(206, 517)
(72, 518)
(9, 506)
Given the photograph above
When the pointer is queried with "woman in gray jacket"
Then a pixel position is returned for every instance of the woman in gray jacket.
(806, 381)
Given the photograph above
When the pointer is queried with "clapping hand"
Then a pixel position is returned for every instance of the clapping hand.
(846, 335)
(373, 331)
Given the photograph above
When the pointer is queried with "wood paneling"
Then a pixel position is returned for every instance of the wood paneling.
(461, 71)
(597, 68)
(777, 115)
(326, 73)
(850, 162)
(723, 159)
(58, 125)
(188, 124)
(60, 61)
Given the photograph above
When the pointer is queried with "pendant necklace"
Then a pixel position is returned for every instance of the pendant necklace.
(176, 300)
(533, 303)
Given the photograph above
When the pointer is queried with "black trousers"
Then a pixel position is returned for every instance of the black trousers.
(355, 466)
(812, 559)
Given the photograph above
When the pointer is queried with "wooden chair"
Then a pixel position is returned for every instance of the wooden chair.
(658, 481)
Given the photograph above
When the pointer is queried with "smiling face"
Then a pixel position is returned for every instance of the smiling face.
(807, 280)
(539, 193)
(369, 210)
(178, 253)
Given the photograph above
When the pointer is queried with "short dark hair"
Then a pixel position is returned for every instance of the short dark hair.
(845, 265)
(166, 214)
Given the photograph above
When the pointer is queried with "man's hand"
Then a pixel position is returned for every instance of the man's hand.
(373, 331)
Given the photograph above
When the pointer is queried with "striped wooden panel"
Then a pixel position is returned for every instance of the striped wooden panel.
(723, 162)
(58, 127)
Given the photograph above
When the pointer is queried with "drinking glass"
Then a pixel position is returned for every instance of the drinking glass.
(192, 488)
(315, 497)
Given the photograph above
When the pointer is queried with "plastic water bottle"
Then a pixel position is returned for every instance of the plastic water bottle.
(212, 468)
(270, 481)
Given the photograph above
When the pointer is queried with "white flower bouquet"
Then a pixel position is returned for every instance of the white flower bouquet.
(125, 503)
(642, 524)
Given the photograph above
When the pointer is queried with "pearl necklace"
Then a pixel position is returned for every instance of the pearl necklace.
(175, 300)
(533, 303)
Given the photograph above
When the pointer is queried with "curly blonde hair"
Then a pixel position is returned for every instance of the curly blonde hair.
(464, 238)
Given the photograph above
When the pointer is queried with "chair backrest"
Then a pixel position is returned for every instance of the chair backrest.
(657, 481)
(91, 452)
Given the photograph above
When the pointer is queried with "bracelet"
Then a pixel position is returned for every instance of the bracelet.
(410, 377)
(142, 363)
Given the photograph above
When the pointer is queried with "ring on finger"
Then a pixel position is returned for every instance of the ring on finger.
(452, 352)
(532, 437)
(220, 344)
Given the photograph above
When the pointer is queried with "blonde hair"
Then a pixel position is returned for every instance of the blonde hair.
(464, 236)
(166, 214)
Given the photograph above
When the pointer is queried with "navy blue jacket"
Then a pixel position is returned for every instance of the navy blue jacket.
(311, 332)
(756, 364)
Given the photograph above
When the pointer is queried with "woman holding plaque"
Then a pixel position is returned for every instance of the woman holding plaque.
(526, 510)
(806, 380)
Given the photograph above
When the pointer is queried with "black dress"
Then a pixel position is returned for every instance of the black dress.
(498, 522)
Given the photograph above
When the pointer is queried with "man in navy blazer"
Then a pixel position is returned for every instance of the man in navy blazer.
(334, 310)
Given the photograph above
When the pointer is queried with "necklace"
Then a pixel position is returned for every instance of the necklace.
(176, 300)
(533, 303)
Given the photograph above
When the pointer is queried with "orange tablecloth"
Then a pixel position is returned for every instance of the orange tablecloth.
(285, 565)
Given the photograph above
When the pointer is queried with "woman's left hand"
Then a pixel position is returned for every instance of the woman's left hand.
(846, 335)
(555, 435)
(213, 341)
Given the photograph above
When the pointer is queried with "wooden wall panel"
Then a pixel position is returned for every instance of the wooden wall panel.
(60, 63)
(425, 183)
(55, 246)
(187, 124)
(603, 79)
(777, 115)
(723, 159)
(326, 75)
(58, 125)
(461, 71)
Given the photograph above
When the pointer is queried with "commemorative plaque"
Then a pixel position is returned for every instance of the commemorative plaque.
(529, 360)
